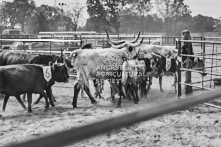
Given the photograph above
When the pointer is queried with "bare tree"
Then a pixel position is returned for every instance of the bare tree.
(76, 14)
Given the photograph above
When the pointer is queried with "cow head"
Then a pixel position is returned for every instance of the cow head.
(59, 72)
(65, 60)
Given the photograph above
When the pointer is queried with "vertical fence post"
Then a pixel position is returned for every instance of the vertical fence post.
(1, 43)
(178, 46)
(203, 53)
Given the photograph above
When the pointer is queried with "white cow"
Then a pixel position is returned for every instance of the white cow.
(101, 64)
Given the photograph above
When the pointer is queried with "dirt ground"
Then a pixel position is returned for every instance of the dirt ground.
(196, 126)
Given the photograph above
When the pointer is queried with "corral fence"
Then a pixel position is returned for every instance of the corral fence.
(97, 39)
(74, 135)
(210, 54)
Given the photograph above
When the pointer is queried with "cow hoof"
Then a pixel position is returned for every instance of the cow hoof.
(94, 102)
(29, 111)
(74, 107)
(136, 102)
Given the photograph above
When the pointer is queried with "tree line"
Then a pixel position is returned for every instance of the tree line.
(116, 16)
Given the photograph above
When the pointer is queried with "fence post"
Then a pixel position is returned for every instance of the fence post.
(179, 59)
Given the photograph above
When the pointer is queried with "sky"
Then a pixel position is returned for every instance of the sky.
(211, 8)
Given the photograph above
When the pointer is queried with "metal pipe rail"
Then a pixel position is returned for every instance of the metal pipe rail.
(200, 41)
(201, 56)
(197, 86)
(77, 134)
(40, 40)
(203, 72)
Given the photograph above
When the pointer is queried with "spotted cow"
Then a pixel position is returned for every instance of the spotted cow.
(101, 64)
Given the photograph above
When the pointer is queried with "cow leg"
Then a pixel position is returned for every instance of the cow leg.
(42, 93)
(133, 92)
(150, 83)
(82, 91)
(52, 96)
(121, 93)
(143, 88)
(23, 97)
(87, 90)
(160, 82)
(102, 85)
(49, 93)
(20, 101)
(112, 95)
(29, 95)
(175, 82)
(5, 102)
(77, 88)
(128, 92)
(136, 94)
(38, 100)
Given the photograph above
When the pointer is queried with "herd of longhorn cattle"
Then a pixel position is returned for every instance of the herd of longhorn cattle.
(129, 66)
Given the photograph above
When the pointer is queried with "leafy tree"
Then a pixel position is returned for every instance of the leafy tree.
(18, 11)
(98, 16)
(140, 8)
(104, 14)
(171, 10)
(203, 24)
(48, 18)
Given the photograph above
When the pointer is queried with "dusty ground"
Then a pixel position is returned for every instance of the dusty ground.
(197, 126)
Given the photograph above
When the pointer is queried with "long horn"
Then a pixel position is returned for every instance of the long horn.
(118, 46)
(136, 44)
(110, 41)
(135, 40)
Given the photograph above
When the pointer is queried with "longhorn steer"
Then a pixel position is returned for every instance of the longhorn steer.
(101, 64)
(28, 78)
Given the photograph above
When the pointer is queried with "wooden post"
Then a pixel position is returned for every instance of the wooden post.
(178, 45)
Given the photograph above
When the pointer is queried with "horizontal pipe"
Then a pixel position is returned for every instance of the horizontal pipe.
(201, 56)
(199, 41)
(204, 72)
(84, 132)
(206, 67)
(189, 84)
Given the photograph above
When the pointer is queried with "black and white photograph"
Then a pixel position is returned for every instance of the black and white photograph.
(110, 73)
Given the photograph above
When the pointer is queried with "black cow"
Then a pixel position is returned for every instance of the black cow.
(29, 78)
(10, 57)
(169, 67)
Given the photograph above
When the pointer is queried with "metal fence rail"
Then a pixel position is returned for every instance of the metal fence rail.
(77, 134)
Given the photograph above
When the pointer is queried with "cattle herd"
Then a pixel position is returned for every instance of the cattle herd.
(129, 66)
